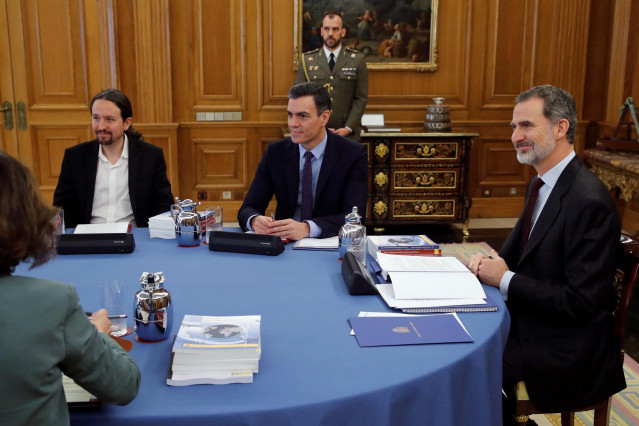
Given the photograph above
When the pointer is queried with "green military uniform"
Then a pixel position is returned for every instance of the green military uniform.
(347, 84)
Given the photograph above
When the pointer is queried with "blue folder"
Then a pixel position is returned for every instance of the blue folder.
(418, 330)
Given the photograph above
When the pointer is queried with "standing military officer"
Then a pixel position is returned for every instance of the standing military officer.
(343, 72)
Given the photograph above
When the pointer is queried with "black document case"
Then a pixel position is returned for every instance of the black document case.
(237, 242)
(94, 243)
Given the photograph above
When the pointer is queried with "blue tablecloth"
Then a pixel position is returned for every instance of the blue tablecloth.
(312, 371)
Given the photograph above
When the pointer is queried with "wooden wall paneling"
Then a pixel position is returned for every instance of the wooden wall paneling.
(496, 207)
(126, 61)
(153, 53)
(219, 60)
(165, 136)
(618, 58)
(275, 53)
(214, 160)
(52, 46)
(500, 174)
(632, 74)
(56, 62)
(570, 26)
(51, 141)
(220, 163)
(508, 59)
(182, 52)
(404, 95)
(208, 57)
(107, 37)
(598, 60)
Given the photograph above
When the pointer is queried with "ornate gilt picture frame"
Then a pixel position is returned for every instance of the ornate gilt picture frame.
(393, 34)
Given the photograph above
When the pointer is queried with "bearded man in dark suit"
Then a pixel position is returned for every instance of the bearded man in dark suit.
(116, 177)
(555, 269)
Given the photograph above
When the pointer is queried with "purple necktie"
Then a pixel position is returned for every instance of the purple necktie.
(530, 207)
(307, 187)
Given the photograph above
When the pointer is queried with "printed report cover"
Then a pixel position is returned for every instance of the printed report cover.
(202, 333)
(394, 242)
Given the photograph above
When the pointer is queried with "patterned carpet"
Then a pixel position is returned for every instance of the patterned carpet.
(625, 404)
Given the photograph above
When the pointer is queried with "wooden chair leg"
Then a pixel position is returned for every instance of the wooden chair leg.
(602, 415)
(568, 419)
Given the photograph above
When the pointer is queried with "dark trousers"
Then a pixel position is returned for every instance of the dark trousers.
(512, 373)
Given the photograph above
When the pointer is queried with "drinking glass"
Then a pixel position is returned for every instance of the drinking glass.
(214, 220)
(112, 292)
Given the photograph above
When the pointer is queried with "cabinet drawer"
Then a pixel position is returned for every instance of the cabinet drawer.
(415, 180)
(424, 208)
(425, 180)
(427, 209)
(427, 151)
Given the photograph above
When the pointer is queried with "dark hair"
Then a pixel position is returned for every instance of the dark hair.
(558, 104)
(331, 13)
(317, 91)
(26, 231)
(123, 103)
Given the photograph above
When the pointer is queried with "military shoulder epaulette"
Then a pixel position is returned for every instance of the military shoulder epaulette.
(350, 49)
(310, 52)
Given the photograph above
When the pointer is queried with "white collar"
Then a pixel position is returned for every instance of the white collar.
(125, 150)
(551, 177)
(335, 52)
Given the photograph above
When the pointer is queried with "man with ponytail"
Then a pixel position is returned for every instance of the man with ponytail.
(116, 177)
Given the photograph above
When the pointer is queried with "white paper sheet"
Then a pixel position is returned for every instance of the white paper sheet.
(392, 262)
(436, 285)
(387, 293)
(102, 228)
(317, 243)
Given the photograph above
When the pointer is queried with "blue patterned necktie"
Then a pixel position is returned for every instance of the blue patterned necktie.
(307, 187)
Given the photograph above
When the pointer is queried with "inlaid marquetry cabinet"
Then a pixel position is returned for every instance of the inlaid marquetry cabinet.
(418, 178)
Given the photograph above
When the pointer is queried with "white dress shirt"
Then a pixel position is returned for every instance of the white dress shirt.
(111, 200)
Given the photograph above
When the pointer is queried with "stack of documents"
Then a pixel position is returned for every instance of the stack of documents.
(430, 284)
(331, 243)
(103, 228)
(162, 226)
(215, 350)
(411, 245)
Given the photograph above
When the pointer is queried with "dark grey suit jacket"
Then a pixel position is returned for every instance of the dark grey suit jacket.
(342, 183)
(149, 188)
(560, 298)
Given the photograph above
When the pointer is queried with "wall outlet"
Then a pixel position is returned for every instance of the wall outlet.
(226, 195)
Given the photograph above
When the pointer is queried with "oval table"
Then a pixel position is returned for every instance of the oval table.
(312, 372)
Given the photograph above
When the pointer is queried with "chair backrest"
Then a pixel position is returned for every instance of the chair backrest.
(625, 277)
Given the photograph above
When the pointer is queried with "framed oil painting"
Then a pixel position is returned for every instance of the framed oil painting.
(393, 34)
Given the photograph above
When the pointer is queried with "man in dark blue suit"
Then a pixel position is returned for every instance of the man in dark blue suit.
(556, 268)
(317, 176)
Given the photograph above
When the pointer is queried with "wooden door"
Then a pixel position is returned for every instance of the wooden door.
(8, 137)
(49, 70)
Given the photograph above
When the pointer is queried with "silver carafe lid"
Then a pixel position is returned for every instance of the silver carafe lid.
(152, 280)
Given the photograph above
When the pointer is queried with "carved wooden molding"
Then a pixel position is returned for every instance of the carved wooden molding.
(628, 184)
